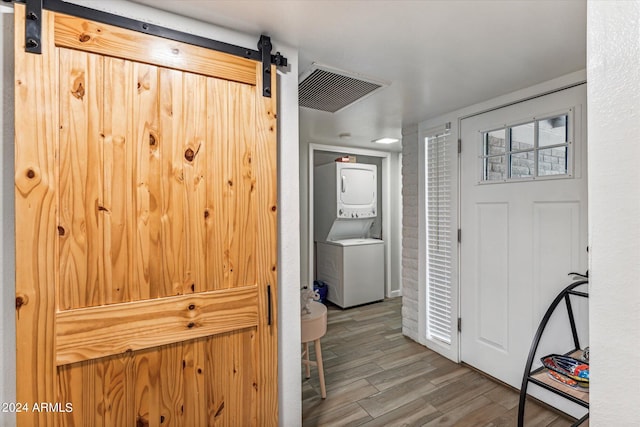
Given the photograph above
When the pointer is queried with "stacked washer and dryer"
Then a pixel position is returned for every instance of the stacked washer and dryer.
(348, 260)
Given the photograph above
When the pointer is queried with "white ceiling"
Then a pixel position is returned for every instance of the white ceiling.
(438, 55)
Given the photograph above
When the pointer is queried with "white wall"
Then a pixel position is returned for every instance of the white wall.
(288, 194)
(7, 245)
(395, 167)
(303, 179)
(613, 70)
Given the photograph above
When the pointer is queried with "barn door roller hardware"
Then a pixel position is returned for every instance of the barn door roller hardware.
(264, 46)
(34, 28)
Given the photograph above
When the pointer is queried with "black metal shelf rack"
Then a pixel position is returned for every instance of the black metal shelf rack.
(538, 376)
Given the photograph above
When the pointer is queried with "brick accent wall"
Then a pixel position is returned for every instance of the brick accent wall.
(410, 235)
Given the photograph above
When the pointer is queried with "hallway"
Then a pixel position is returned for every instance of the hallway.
(377, 377)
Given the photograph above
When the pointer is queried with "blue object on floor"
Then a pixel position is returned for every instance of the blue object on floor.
(322, 288)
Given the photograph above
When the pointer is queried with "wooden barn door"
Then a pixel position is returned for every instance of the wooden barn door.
(145, 231)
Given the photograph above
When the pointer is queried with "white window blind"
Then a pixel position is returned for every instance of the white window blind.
(439, 241)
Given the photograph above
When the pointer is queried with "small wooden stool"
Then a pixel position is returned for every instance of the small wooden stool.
(313, 327)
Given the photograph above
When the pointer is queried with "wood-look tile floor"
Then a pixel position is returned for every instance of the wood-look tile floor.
(375, 376)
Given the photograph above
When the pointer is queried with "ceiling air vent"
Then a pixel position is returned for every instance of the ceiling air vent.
(329, 89)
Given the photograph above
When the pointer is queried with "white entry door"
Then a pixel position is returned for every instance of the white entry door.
(524, 226)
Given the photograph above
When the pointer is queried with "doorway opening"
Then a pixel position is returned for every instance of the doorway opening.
(319, 154)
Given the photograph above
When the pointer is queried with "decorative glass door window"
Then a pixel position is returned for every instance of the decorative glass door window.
(526, 151)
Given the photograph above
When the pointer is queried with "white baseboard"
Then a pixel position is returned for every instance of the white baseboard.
(396, 293)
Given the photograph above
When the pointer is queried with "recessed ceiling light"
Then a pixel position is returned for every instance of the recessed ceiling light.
(385, 140)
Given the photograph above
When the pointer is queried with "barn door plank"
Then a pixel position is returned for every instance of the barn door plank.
(82, 34)
(170, 139)
(266, 252)
(194, 121)
(241, 184)
(118, 252)
(217, 272)
(36, 124)
(81, 203)
(144, 124)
